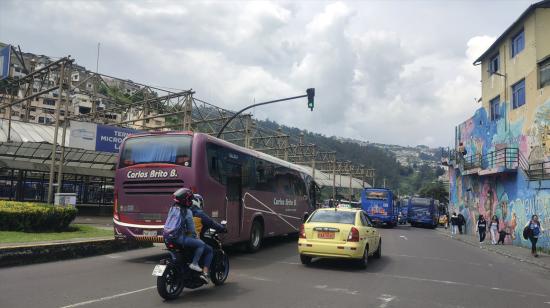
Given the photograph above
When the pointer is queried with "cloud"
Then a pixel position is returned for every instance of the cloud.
(373, 81)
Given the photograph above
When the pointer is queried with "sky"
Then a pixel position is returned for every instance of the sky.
(394, 72)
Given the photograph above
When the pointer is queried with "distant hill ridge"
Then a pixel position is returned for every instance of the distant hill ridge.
(403, 168)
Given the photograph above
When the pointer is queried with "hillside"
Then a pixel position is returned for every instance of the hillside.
(404, 169)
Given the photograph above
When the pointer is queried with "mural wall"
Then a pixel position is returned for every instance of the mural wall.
(511, 196)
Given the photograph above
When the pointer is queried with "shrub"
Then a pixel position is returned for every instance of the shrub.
(32, 217)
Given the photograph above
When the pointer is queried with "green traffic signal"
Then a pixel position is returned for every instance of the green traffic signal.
(310, 95)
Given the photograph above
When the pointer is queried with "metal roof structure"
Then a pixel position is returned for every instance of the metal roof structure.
(30, 149)
(323, 179)
(35, 156)
(29, 132)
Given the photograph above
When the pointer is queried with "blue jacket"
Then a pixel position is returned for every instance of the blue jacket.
(187, 223)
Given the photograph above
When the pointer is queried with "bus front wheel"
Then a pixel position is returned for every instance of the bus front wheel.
(256, 237)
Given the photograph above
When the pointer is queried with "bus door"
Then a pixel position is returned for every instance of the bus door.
(234, 206)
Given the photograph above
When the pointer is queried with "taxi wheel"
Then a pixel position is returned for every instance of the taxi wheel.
(365, 260)
(306, 260)
(378, 252)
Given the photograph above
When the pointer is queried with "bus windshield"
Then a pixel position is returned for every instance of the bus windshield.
(420, 202)
(174, 149)
(377, 195)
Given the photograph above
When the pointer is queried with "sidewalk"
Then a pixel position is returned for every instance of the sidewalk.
(511, 251)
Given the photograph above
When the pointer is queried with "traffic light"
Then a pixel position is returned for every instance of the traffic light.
(310, 95)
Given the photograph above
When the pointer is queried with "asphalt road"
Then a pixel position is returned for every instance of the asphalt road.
(419, 268)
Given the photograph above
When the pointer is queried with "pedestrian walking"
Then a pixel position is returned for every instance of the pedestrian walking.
(536, 230)
(493, 228)
(454, 224)
(481, 229)
(461, 222)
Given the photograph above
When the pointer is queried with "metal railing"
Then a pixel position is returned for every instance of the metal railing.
(471, 162)
(506, 157)
(539, 171)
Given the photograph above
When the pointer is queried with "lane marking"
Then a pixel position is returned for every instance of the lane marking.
(102, 299)
(403, 237)
(337, 290)
(290, 263)
(386, 299)
(258, 278)
(456, 283)
(114, 256)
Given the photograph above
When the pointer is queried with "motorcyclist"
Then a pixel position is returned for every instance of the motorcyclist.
(202, 223)
(183, 198)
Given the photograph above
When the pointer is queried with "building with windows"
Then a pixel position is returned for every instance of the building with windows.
(41, 109)
(505, 170)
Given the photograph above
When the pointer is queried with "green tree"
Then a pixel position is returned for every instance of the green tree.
(436, 190)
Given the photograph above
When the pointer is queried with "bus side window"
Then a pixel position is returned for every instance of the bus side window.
(214, 167)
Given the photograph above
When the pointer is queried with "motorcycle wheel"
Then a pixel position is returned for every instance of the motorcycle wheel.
(219, 273)
(170, 284)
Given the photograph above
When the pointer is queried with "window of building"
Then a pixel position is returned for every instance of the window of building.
(544, 73)
(518, 94)
(494, 64)
(518, 43)
(495, 104)
(49, 101)
(44, 120)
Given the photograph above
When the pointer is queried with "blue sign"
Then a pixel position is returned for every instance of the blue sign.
(5, 55)
(109, 138)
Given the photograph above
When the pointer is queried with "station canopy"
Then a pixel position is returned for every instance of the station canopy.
(323, 179)
(30, 132)
(30, 149)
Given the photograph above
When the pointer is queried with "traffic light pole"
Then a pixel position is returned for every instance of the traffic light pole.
(309, 95)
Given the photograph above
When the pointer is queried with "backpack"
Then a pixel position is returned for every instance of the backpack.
(527, 232)
(172, 226)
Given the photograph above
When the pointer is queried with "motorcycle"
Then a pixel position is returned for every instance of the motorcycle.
(173, 274)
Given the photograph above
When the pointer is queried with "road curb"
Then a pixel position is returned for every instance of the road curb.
(29, 254)
(499, 251)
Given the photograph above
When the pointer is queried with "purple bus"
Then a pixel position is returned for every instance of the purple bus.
(259, 195)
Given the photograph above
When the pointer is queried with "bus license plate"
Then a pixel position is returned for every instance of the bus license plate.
(325, 235)
(150, 232)
(159, 270)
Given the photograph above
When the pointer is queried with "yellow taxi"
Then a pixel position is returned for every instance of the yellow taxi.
(339, 233)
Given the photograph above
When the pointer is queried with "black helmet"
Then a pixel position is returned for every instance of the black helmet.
(183, 196)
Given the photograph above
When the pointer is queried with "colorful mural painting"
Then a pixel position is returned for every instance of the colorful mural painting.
(509, 192)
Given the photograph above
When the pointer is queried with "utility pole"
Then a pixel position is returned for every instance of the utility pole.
(56, 130)
(384, 182)
(64, 134)
(350, 187)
